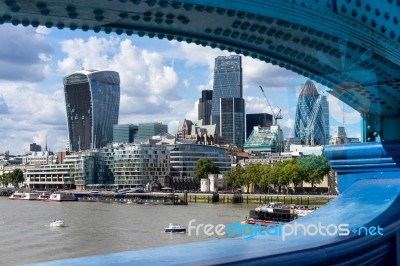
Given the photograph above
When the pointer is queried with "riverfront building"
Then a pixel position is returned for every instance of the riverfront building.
(88, 168)
(39, 158)
(92, 101)
(312, 117)
(183, 158)
(228, 107)
(140, 164)
(46, 177)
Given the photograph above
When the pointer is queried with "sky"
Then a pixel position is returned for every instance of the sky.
(161, 81)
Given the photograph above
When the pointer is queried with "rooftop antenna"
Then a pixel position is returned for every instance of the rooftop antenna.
(46, 144)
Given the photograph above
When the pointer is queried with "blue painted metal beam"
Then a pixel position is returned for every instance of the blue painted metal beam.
(368, 202)
(353, 162)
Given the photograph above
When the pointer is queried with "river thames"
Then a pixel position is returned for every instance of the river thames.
(97, 228)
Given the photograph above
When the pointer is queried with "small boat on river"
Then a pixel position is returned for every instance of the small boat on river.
(175, 228)
(58, 223)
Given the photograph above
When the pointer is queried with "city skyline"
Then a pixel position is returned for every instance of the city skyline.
(161, 81)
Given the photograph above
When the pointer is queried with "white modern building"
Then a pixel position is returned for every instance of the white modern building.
(46, 177)
(39, 158)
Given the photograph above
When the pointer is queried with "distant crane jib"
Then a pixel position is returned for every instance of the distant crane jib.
(275, 116)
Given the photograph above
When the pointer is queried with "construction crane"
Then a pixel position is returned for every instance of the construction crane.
(274, 115)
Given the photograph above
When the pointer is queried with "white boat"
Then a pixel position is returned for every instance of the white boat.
(17, 196)
(58, 223)
(31, 196)
(61, 197)
(175, 228)
(44, 196)
(302, 213)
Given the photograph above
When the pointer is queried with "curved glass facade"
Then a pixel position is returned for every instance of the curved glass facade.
(92, 102)
(183, 158)
(312, 117)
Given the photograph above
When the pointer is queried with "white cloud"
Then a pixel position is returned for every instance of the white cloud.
(43, 30)
(24, 54)
(31, 114)
(255, 72)
(186, 83)
(148, 85)
(339, 111)
(192, 114)
(173, 126)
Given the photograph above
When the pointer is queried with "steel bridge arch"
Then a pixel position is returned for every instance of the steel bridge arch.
(351, 46)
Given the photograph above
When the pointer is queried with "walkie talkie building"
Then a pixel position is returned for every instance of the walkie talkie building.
(92, 102)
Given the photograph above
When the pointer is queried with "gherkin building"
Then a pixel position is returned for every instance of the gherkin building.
(312, 117)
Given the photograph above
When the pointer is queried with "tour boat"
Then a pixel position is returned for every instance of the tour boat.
(44, 196)
(31, 196)
(58, 223)
(57, 197)
(175, 228)
(17, 196)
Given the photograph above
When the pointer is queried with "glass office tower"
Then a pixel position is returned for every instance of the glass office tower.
(312, 117)
(204, 107)
(228, 111)
(125, 133)
(148, 130)
(92, 102)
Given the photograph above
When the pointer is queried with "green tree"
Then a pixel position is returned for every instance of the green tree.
(285, 173)
(315, 168)
(17, 177)
(205, 166)
(264, 180)
(6, 179)
(251, 175)
(234, 176)
(274, 174)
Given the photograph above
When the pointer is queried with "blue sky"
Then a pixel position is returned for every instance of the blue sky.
(161, 81)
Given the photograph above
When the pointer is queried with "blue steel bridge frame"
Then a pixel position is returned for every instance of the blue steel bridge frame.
(350, 46)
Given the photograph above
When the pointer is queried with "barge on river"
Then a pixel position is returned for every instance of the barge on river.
(275, 213)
